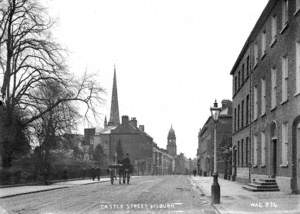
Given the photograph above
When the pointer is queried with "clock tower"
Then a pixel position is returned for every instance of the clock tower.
(171, 146)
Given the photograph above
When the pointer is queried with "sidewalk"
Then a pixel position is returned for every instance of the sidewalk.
(21, 190)
(234, 199)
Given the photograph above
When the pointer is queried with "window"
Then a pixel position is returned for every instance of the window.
(284, 148)
(247, 109)
(285, 75)
(248, 65)
(235, 119)
(255, 150)
(263, 96)
(274, 87)
(255, 103)
(298, 67)
(243, 73)
(285, 13)
(239, 111)
(263, 149)
(238, 153)
(242, 114)
(235, 84)
(247, 152)
(263, 44)
(297, 5)
(239, 79)
(273, 29)
(242, 153)
(255, 54)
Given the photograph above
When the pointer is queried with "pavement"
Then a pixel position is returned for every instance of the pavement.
(6, 192)
(236, 200)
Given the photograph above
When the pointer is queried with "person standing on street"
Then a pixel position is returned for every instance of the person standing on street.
(127, 166)
(98, 173)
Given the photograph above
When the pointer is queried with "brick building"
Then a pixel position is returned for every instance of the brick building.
(205, 152)
(268, 71)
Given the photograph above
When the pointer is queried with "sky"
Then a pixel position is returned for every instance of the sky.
(173, 57)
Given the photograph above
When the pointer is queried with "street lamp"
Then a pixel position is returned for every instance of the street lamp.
(215, 188)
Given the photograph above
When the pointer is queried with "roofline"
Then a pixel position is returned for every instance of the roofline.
(203, 129)
(261, 20)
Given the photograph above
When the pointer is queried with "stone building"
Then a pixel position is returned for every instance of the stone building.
(205, 152)
(163, 162)
(266, 101)
(180, 164)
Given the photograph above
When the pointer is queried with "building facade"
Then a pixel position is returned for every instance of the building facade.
(163, 162)
(224, 142)
(270, 140)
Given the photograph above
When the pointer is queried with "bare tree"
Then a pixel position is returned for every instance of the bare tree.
(53, 124)
(29, 57)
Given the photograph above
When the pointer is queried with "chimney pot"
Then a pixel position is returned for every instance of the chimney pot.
(142, 127)
(125, 119)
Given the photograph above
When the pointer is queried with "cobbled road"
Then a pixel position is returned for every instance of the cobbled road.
(145, 194)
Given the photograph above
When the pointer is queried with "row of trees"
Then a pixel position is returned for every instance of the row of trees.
(39, 96)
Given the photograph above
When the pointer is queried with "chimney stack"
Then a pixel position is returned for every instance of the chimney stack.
(133, 122)
(142, 127)
(125, 119)
(226, 104)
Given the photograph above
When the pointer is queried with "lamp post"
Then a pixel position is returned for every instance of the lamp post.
(215, 188)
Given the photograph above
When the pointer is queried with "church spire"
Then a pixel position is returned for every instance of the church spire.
(114, 108)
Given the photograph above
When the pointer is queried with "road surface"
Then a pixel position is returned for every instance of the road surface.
(146, 194)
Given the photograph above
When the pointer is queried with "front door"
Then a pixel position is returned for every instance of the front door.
(274, 160)
(298, 156)
(295, 183)
(234, 164)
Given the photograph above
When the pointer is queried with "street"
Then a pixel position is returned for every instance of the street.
(148, 194)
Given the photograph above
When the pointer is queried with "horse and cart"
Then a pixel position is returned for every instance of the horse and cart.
(120, 170)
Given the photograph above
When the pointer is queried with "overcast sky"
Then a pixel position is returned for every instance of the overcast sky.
(173, 57)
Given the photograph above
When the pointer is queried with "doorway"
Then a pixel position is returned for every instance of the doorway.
(273, 149)
(274, 159)
(295, 183)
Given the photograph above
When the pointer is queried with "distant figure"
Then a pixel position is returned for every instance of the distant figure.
(194, 172)
(93, 173)
(65, 174)
(120, 171)
(98, 173)
(126, 167)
